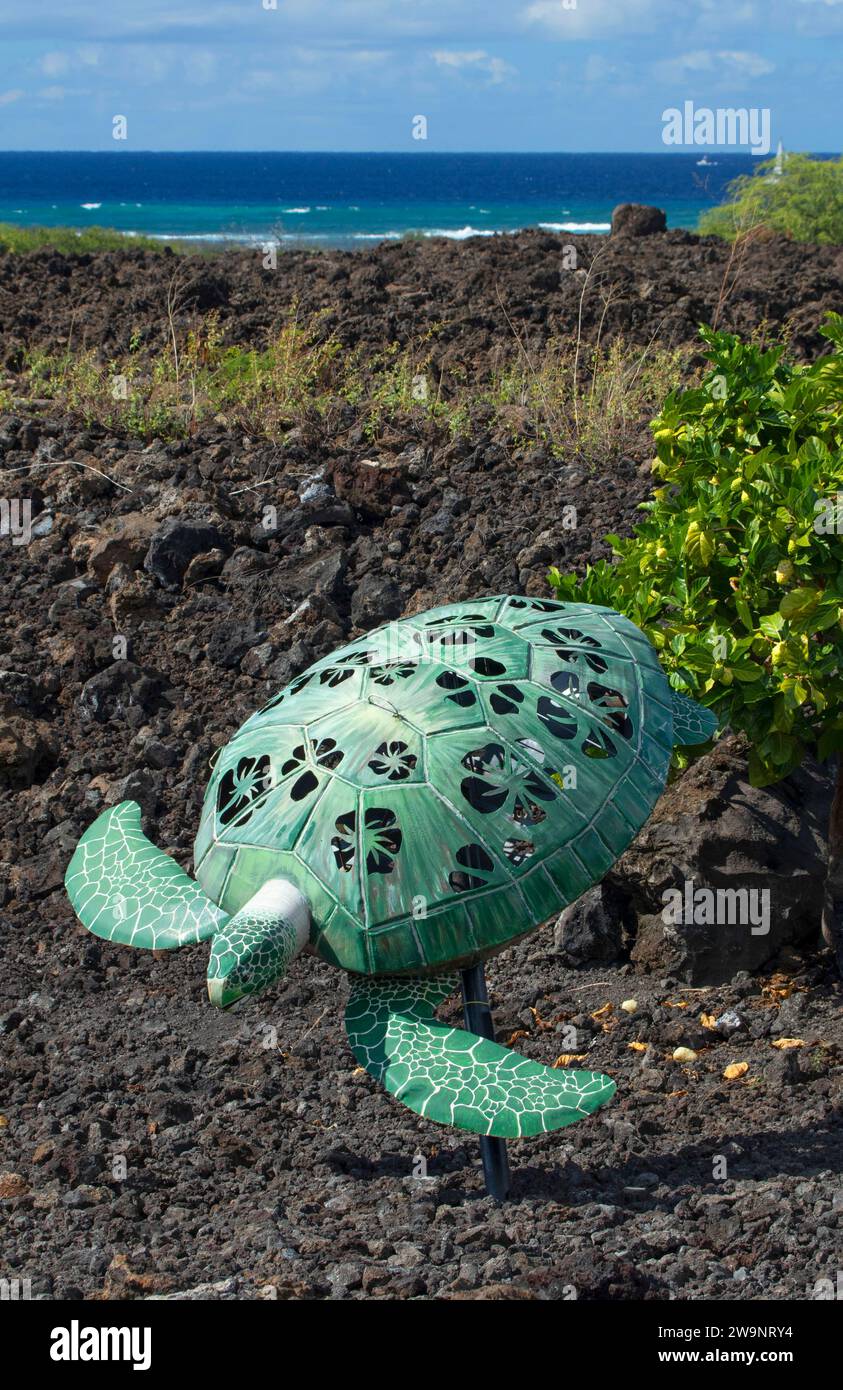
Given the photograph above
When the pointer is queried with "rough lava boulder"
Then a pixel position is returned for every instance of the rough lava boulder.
(638, 219)
(713, 830)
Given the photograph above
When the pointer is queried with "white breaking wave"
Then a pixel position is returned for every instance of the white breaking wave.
(462, 234)
(248, 238)
(299, 210)
(90, 205)
(576, 226)
(258, 239)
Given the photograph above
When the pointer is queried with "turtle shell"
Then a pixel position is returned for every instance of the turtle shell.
(444, 784)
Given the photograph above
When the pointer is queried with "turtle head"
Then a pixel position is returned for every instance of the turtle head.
(256, 945)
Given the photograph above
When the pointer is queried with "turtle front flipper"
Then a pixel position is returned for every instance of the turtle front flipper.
(122, 887)
(455, 1077)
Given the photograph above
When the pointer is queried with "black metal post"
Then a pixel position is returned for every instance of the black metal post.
(477, 1017)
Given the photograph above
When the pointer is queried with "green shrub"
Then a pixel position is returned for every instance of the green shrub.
(74, 240)
(736, 573)
(804, 201)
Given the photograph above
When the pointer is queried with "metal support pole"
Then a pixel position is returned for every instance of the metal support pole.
(477, 1017)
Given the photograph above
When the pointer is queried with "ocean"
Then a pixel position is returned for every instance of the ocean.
(353, 200)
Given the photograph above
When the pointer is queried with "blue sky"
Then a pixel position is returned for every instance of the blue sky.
(352, 74)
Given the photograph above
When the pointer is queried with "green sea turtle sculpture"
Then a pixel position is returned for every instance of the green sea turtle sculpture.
(404, 809)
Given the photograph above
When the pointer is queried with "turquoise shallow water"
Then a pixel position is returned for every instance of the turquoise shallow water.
(353, 200)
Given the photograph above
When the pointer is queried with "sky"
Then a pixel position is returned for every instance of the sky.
(487, 75)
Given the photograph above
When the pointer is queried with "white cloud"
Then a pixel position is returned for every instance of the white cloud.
(54, 64)
(747, 64)
(14, 94)
(600, 69)
(147, 62)
(726, 64)
(341, 59)
(819, 19)
(261, 79)
(592, 18)
(474, 60)
(626, 19)
(201, 67)
(312, 71)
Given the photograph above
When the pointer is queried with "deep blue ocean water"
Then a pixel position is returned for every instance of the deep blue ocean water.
(353, 200)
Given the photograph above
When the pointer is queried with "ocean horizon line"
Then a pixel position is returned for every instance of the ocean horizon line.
(686, 152)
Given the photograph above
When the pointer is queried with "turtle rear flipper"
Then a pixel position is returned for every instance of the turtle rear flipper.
(692, 723)
(452, 1076)
(122, 887)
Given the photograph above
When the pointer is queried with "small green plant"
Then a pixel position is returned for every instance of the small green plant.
(802, 198)
(116, 394)
(819, 1061)
(400, 381)
(736, 572)
(193, 377)
(586, 400)
(589, 400)
(265, 391)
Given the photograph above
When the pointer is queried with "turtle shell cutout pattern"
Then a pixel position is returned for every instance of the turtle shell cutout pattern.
(445, 783)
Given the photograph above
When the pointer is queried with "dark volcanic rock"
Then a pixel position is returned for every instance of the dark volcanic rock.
(637, 219)
(174, 545)
(403, 291)
(17, 690)
(376, 600)
(713, 830)
(369, 484)
(205, 566)
(324, 576)
(26, 745)
(289, 665)
(593, 928)
(117, 690)
(230, 641)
